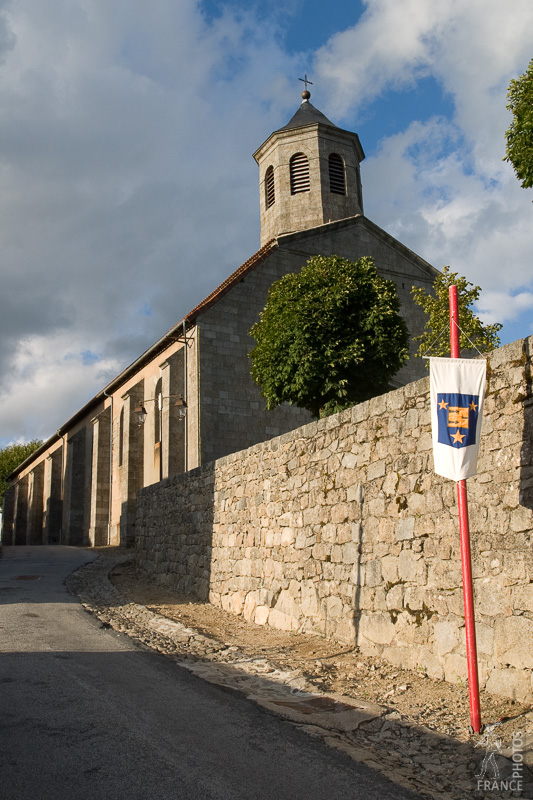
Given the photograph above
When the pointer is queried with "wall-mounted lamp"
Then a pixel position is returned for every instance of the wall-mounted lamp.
(181, 406)
(140, 413)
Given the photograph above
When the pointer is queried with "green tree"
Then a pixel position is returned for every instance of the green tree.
(437, 308)
(519, 150)
(10, 457)
(330, 336)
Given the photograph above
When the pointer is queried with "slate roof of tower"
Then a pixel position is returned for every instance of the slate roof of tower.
(307, 114)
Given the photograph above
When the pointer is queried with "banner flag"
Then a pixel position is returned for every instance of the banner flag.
(457, 394)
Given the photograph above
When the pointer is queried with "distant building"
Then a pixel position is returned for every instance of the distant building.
(80, 486)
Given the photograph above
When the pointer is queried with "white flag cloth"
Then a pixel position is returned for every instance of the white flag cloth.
(457, 393)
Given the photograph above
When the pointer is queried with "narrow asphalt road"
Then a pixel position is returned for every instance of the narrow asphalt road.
(86, 713)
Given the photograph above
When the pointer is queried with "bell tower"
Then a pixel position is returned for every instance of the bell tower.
(308, 174)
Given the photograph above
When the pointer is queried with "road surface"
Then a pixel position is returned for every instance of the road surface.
(87, 713)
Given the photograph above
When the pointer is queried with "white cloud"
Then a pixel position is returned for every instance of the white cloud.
(48, 375)
(441, 185)
(126, 135)
(127, 181)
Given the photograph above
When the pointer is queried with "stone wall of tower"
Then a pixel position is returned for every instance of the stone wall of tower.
(319, 205)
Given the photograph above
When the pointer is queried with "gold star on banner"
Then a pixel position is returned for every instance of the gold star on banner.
(458, 437)
(473, 406)
(443, 404)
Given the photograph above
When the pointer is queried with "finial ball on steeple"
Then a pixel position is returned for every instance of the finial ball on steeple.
(306, 94)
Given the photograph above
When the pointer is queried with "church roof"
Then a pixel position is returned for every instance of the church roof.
(171, 336)
(307, 114)
(234, 278)
(190, 318)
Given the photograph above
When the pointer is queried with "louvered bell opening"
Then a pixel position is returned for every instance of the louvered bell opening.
(270, 195)
(299, 169)
(337, 183)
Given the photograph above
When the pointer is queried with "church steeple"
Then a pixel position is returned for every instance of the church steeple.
(308, 173)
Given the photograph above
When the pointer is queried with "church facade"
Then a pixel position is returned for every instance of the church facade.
(189, 399)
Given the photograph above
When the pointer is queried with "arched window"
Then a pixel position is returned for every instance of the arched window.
(337, 183)
(270, 194)
(158, 398)
(121, 438)
(299, 172)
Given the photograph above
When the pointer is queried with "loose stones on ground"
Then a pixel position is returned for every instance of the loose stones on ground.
(416, 757)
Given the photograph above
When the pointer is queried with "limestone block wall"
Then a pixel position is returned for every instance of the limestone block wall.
(342, 528)
(232, 412)
(359, 237)
(297, 212)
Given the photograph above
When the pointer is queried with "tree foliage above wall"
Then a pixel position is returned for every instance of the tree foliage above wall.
(330, 336)
(10, 457)
(435, 340)
(519, 150)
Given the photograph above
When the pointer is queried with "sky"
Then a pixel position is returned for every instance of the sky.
(128, 190)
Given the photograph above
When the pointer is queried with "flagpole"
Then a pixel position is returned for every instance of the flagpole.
(466, 561)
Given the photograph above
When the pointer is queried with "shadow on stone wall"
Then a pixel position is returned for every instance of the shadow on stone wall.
(53, 515)
(166, 529)
(358, 569)
(526, 456)
(276, 533)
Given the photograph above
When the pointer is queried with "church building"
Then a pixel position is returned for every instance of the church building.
(189, 399)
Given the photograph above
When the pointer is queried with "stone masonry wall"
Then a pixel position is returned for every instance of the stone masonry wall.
(342, 528)
(233, 414)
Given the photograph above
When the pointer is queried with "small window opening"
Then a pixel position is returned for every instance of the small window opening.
(299, 172)
(121, 438)
(337, 183)
(270, 194)
(158, 397)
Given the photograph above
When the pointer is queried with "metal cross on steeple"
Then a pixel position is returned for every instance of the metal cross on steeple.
(306, 81)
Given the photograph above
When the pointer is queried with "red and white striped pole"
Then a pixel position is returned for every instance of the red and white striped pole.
(466, 561)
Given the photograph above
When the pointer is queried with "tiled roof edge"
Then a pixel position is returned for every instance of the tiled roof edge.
(249, 265)
(161, 344)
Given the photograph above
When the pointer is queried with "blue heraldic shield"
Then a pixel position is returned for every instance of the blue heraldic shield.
(457, 418)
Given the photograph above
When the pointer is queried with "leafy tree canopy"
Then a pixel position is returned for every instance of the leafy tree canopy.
(10, 457)
(519, 150)
(437, 308)
(330, 336)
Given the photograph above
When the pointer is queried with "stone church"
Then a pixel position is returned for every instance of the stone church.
(189, 399)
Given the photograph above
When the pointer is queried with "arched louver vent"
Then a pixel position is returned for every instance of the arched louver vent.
(299, 169)
(337, 184)
(270, 194)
